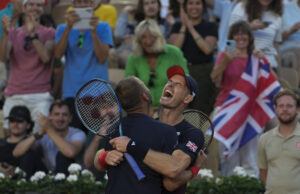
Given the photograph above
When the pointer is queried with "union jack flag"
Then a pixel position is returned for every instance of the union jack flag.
(248, 107)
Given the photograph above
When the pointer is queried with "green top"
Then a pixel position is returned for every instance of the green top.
(139, 67)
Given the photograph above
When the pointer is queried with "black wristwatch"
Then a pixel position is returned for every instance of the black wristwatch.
(37, 136)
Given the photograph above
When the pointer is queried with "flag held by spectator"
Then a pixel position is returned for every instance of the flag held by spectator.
(248, 107)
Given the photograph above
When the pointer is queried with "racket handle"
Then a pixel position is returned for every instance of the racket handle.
(138, 172)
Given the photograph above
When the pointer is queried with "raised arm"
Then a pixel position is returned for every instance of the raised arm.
(5, 45)
(61, 46)
(91, 151)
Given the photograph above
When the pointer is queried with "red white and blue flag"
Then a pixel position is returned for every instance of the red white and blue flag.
(248, 107)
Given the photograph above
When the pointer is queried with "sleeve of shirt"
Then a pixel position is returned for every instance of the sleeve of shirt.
(59, 31)
(12, 34)
(179, 59)
(104, 33)
(130, 68)
(262, 159)
(78, 136)
(192, 144)
(238, 13)
(121, 29)
(213, 30)
(217, 8)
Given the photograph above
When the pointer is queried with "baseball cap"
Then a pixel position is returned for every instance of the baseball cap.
(20, 113)
(191, 83)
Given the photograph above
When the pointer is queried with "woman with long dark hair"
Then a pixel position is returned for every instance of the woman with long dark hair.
(264, 17)
(197, 39)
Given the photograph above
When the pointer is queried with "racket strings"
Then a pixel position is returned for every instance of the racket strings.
(98, 107)
(201, 122)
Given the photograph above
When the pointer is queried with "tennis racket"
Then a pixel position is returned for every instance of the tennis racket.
(201, 121)
(99, 109)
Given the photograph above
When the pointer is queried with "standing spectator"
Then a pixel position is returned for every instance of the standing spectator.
(291, 25)
(29, 49)
(106, 12)
(86, 53)
(20, 124)
(223, 9)
(197, 39)
(278, 149)
(151, 59)
(265, 20)
(60, 144)
(227, 71)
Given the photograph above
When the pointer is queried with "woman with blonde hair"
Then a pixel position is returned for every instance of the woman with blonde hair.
(152, 57)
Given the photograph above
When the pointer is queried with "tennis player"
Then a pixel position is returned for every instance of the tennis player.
(135, 98)
(178, 93)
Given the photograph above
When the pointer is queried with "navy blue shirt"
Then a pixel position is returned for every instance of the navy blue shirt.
(190, 141)
(155, 135)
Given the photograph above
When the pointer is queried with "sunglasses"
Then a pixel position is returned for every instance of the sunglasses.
(152, 76)
(80, 40)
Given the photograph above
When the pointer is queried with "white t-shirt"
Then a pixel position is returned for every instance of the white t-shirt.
(50, 149)
(264, 38)
(291, 15)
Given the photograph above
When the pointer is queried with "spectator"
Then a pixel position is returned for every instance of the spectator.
(197, 39)
(265, 21)
(20, 124)
(291, 25)
(86, 53)
(151, 58)
(223, 9)
(60, 144)
(278, 149)
(29, 80)
(227, 71)
(106, 13)
(124, 32)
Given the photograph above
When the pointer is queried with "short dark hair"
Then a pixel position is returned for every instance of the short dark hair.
(60, 103)
(286, 92)
(129, 92)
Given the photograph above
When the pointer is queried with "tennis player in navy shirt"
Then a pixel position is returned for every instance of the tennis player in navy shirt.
(187, 157)
(135, 99)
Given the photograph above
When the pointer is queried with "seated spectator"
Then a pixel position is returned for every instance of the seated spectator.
(151, 59)
(291, 25)
(124, 31)
(60, 144)
(20, 124)
(29, 49)
(86, 52)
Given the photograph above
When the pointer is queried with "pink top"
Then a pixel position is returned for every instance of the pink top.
(28, 74)
(231, 75)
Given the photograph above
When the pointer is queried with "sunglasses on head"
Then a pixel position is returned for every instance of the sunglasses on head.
(80, 40)
(152, 76)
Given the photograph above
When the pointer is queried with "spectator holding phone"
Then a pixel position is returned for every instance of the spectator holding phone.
(265, 21)
(227, 71)
(86, 52)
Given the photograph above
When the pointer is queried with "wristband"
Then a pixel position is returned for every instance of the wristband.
(101, 159)
(137, 150)
(194, 170)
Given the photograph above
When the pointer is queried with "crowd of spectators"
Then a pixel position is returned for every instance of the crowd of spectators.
(43, 63)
